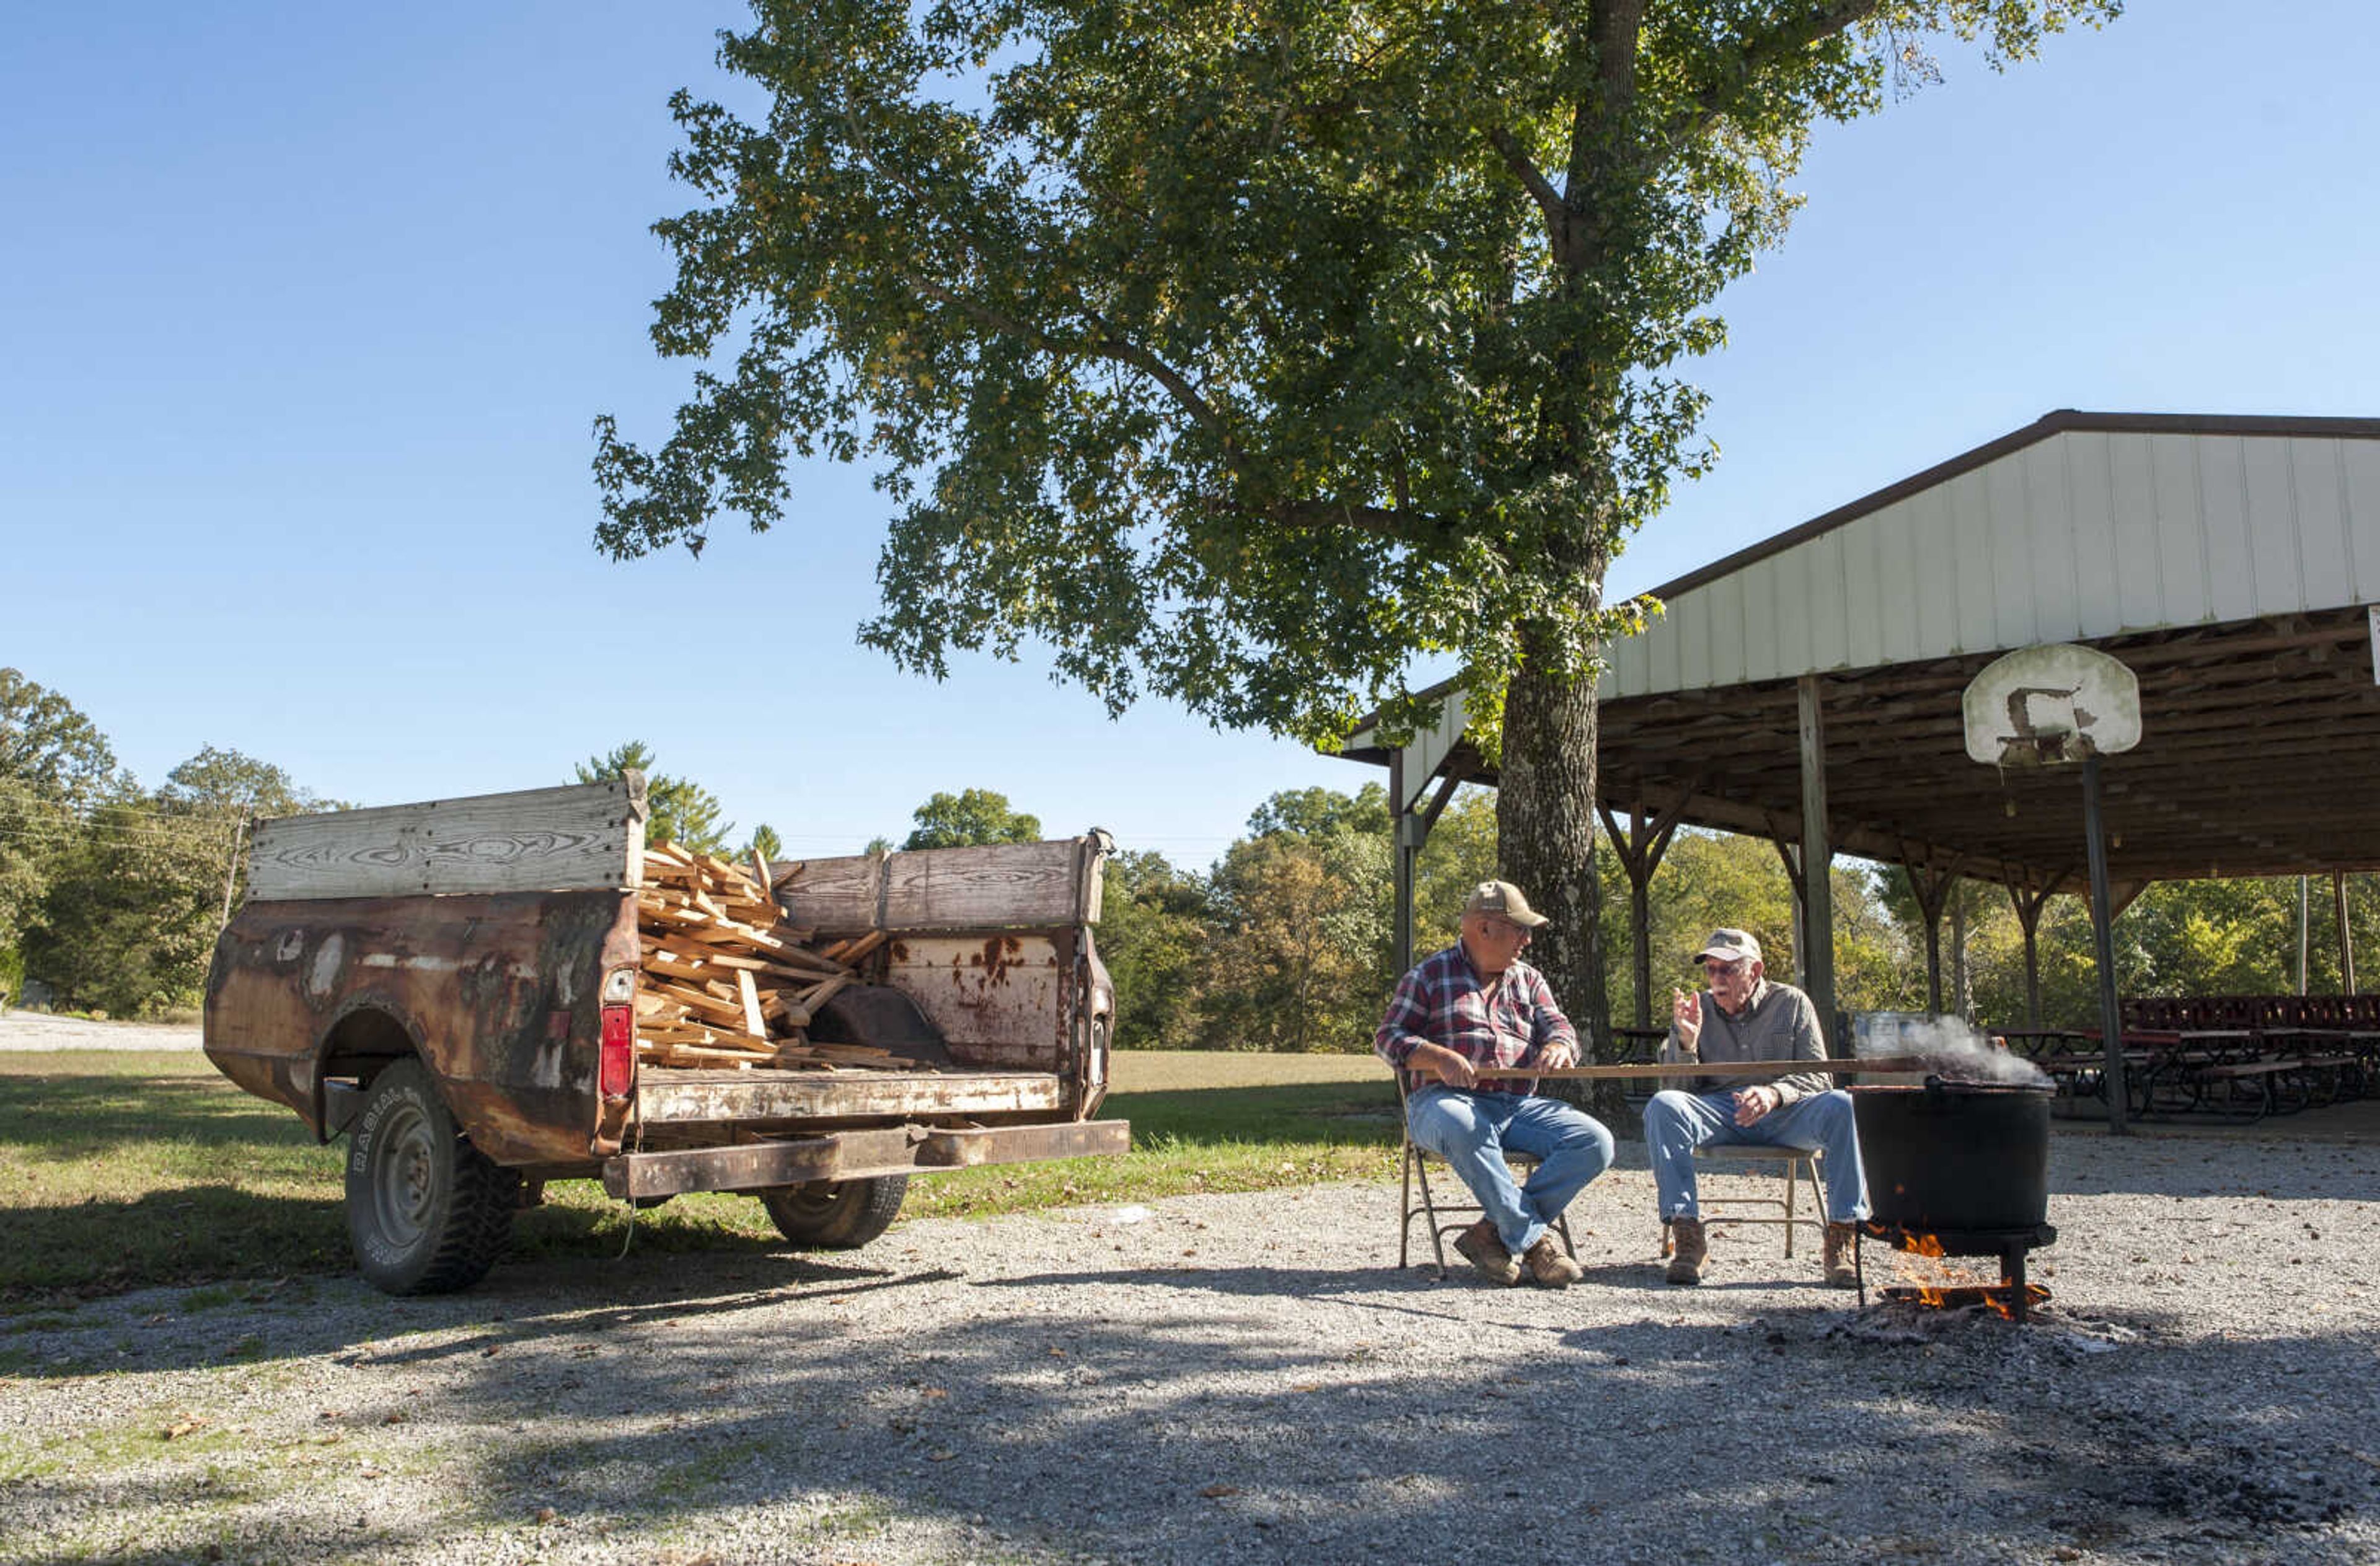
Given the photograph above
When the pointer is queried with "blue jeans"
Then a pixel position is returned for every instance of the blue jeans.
(1677, 1123)
(1473, 1131)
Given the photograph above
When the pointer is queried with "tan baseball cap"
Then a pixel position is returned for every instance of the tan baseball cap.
(1504, 900)
(1728, 946)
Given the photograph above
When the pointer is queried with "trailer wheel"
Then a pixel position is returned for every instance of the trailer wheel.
(426, 1210)
(836, 1215)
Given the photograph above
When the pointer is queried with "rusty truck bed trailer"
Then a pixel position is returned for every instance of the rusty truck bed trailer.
(452, 985)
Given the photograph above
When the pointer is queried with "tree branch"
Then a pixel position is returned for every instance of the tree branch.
(1757, 55)
(1517, 159)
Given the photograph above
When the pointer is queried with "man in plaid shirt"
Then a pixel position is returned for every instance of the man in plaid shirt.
(1455, 1019)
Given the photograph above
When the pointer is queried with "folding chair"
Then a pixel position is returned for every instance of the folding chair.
(1796, 1164)
(1417, 1173)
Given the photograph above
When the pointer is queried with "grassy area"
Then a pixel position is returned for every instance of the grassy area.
(124, 1169)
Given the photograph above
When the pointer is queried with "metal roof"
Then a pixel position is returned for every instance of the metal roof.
(2230, 561)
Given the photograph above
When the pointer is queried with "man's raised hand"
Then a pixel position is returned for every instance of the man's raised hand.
(1686, 1014)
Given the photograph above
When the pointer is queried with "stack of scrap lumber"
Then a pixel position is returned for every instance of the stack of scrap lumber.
(728, 981)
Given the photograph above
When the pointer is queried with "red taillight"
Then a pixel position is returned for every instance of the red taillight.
(619, 1059)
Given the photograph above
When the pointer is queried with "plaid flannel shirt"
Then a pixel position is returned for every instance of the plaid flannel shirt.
(1444, 1001)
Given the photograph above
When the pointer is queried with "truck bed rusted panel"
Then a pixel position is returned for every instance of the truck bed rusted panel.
(499, 994)
(1001, 1001)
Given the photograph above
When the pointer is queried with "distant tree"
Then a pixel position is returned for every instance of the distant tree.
(1296, 959)
(682, 812)
(965, 819)
(1710, 881)
(214, 794)
(1313, 812)
(225, 782)
(50, 746)
(130, 914)
(55, 766)
(1152, 934)
(766, 843)
(35, 831)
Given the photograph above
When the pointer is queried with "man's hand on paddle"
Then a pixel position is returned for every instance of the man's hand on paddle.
(1451, 1069)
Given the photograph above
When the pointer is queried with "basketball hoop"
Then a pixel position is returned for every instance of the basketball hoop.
(2044, 706)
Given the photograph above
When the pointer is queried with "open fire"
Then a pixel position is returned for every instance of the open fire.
(1925, 1275)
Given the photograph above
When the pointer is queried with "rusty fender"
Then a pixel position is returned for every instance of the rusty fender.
(857, 1155)
(498, 994)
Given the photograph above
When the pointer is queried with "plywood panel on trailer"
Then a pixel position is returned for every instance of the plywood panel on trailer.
(575, 838)
(997, 886)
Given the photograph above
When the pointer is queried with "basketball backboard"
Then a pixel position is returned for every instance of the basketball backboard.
(2059, 702)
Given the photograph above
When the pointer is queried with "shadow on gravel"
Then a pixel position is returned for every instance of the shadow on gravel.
(1257, 1413)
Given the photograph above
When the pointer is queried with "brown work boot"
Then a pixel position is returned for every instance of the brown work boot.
(1484, 1249)
(1686, 1261)
(1843, 1251)
(1548, 1268)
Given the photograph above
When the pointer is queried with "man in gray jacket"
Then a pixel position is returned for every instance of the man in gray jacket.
(1746, 1017)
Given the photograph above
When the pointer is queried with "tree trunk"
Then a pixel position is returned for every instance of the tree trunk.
(1544, 842)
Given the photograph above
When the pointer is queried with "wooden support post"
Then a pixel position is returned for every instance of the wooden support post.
(1931, 887)
(2346, 933)
(1640, 849)
(1400, 861)
(2103, 941)
(2305, 934)
(2029, 904)
(1817, 860)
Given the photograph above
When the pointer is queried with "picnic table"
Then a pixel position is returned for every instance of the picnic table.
(2234, 1073)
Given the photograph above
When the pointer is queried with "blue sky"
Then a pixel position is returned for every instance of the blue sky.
(305, 311)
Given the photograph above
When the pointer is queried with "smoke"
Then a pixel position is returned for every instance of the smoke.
(1953, 1048)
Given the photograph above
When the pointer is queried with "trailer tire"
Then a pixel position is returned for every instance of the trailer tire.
(835, 1215)
(427, 1212)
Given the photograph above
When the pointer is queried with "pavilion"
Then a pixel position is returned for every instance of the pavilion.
(1808, 689)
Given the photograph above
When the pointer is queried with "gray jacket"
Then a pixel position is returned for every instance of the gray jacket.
(1777, 1024)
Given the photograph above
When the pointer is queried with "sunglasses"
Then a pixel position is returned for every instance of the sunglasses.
(1724, 970)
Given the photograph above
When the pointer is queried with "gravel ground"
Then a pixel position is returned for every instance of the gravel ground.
(1247, 1378)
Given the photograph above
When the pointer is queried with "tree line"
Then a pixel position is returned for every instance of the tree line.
(111, 897)
(1284, 943)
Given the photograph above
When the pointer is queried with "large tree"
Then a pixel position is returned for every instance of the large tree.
(1247, 352)
(678, 810)
(970, 816)
(55, 767)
